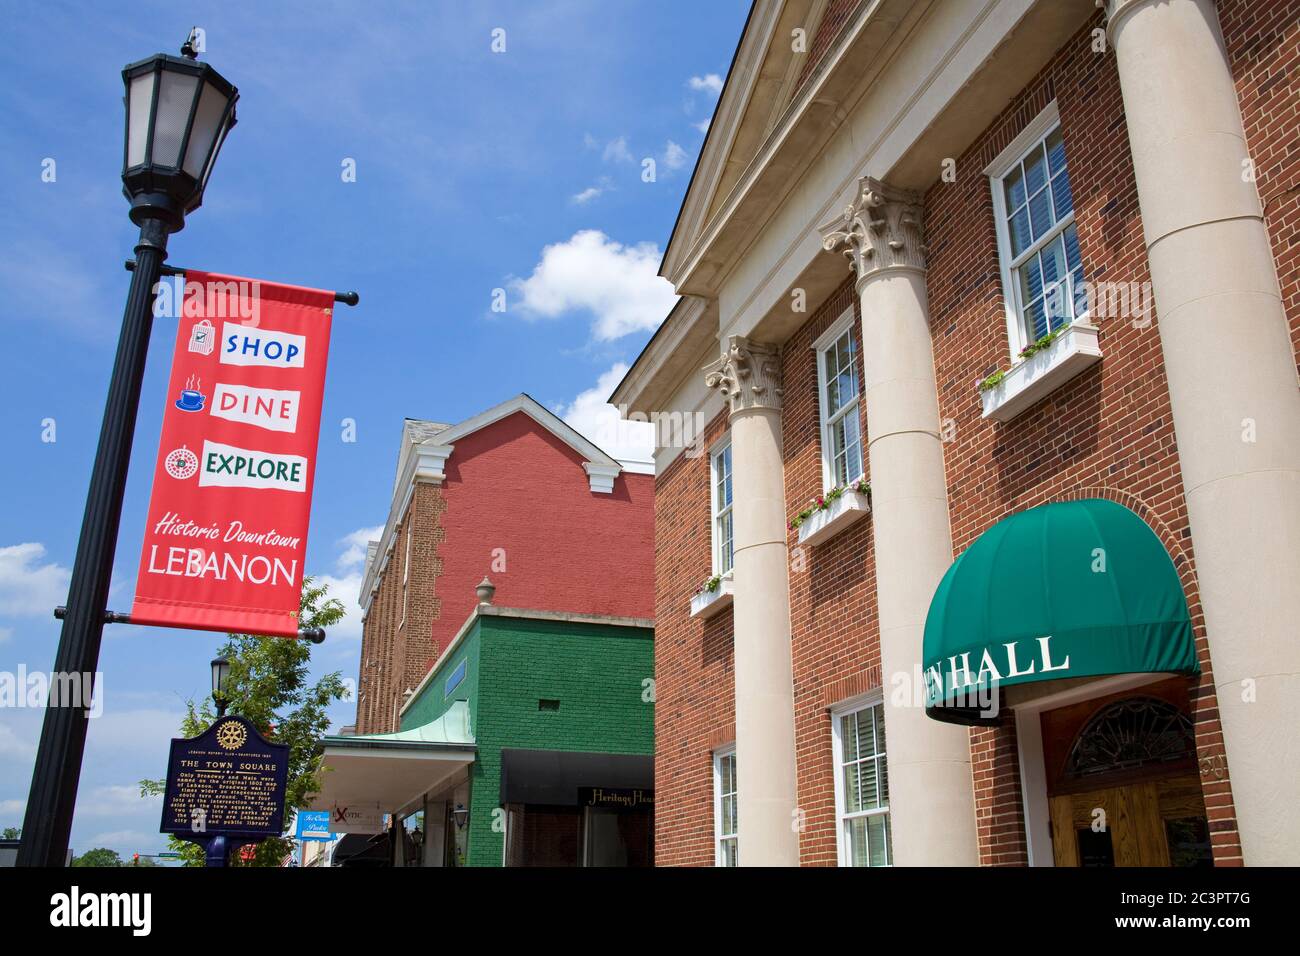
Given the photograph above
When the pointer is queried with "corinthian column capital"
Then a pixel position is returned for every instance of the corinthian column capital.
(881, 229)
(1117, 10)
(748, 374)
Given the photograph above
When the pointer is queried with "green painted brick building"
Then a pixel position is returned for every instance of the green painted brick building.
(531, 741)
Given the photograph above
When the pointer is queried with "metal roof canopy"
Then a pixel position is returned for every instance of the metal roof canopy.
(396, 770)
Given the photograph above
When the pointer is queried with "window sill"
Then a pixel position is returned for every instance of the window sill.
(1042, 373)
(823, 525)
(708, 603)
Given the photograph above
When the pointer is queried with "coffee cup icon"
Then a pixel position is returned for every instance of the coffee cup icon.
(191, 400)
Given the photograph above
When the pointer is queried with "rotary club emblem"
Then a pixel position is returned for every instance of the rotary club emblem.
(231, 735)
(182, 463)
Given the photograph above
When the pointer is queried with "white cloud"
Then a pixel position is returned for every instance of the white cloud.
(345, 583)
(115, 801)
(6, 633)
(27, 586)
(594, 191)
(592, 415)
(12, 810)
(125, 842)
(674, 156)
(128, 733)
(13, 745)
(709, 81)
(354, 546)
(703, 125)
(619, 285)
(616, 150)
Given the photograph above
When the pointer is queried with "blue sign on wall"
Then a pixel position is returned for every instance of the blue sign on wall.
(314, 825)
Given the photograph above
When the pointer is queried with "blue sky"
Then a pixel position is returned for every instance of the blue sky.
(475, 171)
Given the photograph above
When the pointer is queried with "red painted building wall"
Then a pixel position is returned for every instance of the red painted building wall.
(516, 487)
(516, 505)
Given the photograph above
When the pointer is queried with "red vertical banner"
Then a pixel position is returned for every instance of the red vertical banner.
(226, 538)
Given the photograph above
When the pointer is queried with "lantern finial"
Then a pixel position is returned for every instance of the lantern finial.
(190, 47)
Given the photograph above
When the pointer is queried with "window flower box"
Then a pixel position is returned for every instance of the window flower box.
(824, 524)
(1071, 351)
(707, 602)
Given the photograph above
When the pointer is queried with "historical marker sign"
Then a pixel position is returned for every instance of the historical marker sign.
(229, 780)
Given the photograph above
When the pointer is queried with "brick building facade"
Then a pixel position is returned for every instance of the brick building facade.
(513, 494)
(920, 114)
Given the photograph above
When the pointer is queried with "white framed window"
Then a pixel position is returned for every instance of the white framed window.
(726, 839)
(861, 784)
(839, 393)
(1038, 242)
(723, 543)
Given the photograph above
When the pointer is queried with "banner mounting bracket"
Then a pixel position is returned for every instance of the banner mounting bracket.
(347, 298)
(315, 635)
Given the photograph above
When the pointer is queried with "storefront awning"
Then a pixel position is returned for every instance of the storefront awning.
(396, 770)
(555, 776)
(1072, 589)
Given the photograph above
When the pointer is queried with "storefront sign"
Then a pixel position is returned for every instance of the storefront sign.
(618, 798)
(1079, 588)
(227, 780)
(959, 674)
(356, 818)
(226, 535)
(313, 825)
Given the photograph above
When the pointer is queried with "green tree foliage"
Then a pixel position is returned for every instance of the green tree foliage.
(12, 833)
(98, 857)
(268, 686)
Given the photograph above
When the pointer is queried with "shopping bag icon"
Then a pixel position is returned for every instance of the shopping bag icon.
(203, 337)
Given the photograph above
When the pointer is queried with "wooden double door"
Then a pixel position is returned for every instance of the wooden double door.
(1158, 822)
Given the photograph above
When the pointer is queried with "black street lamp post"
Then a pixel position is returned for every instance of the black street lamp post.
(178, 112)
(220, 674)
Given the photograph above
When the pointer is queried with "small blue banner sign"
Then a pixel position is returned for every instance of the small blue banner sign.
(229, 780)
(314, 825)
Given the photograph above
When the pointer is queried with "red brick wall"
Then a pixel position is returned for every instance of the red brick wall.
(1263, 40)
(396, 643)
(515, 486)
(1106, 433)
(516, 506)
(835, 638)
(695, 703)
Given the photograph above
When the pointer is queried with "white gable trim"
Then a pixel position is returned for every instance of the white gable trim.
(727, 116)
(426, 461)
(538, 413)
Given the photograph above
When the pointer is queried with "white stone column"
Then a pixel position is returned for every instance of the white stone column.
(1233, 389)
(749, 376)
(931, 796)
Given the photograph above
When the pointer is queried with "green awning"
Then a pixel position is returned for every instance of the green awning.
(1072, 589)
